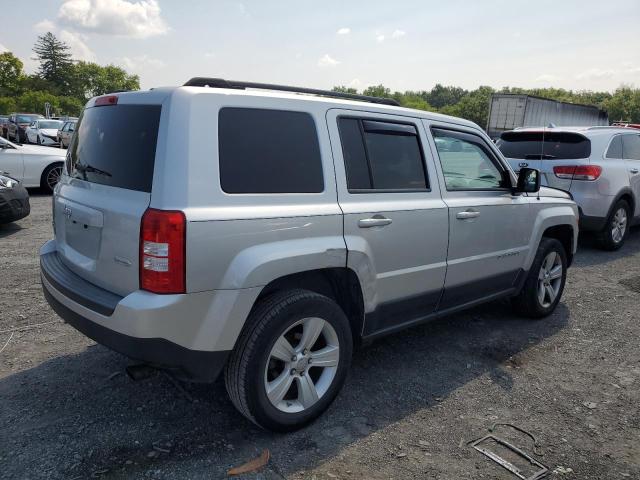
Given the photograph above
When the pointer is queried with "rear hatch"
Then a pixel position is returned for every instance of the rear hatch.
(99, 204)
(544, 150)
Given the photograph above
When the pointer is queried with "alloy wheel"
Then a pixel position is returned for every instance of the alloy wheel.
(53, 177)
(619, 225)
(549, 279)
(302, 365)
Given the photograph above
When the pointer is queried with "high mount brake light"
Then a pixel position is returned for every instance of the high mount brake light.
(162, 251)
(578, 172)
(106, 100)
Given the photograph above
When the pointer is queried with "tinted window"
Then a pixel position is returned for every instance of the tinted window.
(268, 151)
(530, 145)
(382, 155)
(631, 147)
(466, 163)
(355, 157)
(116, 145)
(615, 147)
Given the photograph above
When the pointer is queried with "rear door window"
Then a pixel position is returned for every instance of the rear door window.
(615, 148)
(631, 147)
(381, 155)
(115, 145)
(544, 145)
(268, 151)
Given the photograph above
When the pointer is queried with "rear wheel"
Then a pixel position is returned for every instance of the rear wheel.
(617, 227)
(51, 177)
(291, 360)
(545, 281)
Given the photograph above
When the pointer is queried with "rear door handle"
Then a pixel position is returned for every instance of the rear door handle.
(467, 214)
(375, 221)
(634, 170)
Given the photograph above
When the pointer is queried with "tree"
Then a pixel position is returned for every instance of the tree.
(441, 96)
(34, 102)
(474, 106)
(10, 73)
(377, 91)
(7, 105)
(55, 59)
(89, 79)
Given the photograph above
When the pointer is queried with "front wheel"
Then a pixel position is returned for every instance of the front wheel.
(290, 361)
(545, 281)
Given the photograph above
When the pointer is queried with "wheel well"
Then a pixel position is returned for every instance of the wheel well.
(339, 284)
(627, 197)
(564, 234)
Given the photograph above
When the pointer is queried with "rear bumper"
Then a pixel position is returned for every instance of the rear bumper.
(14, 204)
(142, 326)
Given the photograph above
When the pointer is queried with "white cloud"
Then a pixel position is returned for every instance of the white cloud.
(79, 49)
(327, 61)
(44, 26)
(209, 54)
(138, 19)
(344, 31)
(141, 62)
(595, 74)
(3, 48)
(398, 33)
(546, 78)
(380, 38)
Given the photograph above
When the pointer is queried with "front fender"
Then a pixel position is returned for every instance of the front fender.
(552, 216)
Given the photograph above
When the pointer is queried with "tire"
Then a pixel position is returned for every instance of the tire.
(50, 177)
(38, 140)
(252, 367)
(531, 302)
(615, 232)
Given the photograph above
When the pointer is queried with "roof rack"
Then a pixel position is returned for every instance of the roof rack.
(222, 83)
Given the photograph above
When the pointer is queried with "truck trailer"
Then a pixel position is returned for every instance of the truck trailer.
(509, 111)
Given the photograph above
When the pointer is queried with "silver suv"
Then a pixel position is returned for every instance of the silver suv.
(600, 166)
(266, 233)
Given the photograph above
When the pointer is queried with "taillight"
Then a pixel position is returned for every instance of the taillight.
(162, 251)
(106, 100)
(578, 172)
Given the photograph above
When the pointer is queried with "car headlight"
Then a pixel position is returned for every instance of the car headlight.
(8, 182)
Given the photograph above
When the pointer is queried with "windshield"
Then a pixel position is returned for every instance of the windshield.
(557, 145)
(50, 124)
(116, 145)
(27, 118)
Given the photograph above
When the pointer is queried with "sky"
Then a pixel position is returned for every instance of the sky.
(405, 45)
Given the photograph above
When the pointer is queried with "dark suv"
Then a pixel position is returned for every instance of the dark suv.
(18, 123)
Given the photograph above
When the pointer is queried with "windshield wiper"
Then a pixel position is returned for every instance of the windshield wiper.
(91, 169)
(537, 156)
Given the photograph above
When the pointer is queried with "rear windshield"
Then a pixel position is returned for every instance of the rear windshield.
(115, 145)
(529, 145)
(27, 118)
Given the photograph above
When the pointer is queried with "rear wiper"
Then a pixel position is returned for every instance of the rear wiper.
(91, 169)
(537, 156)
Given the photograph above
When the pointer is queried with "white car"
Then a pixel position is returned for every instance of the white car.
(31, 165)
(44, 132)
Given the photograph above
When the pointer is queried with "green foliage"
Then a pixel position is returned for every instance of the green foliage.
(623, 104)
(55, 59)
(10, 73)
(343, 89)
(65, 84)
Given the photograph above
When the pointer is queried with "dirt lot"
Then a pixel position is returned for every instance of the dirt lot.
(410, 404)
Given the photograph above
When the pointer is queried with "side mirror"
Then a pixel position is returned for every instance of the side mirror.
(528, 181)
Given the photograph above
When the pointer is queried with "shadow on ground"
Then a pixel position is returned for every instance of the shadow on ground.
(71, 418)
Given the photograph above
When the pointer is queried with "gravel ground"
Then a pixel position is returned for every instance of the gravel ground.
(410, 404)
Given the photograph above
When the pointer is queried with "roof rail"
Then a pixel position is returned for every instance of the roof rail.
(222, 83)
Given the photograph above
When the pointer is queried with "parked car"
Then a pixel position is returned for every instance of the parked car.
(32, 166)
(14, 200)
(4, 122)
(600, 166)
(65, 133)
(296, 227)
(43, 132)
(18, 123)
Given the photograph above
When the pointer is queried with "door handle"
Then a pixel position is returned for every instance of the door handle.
(375, 221)
(634, 170)
(467, 214)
